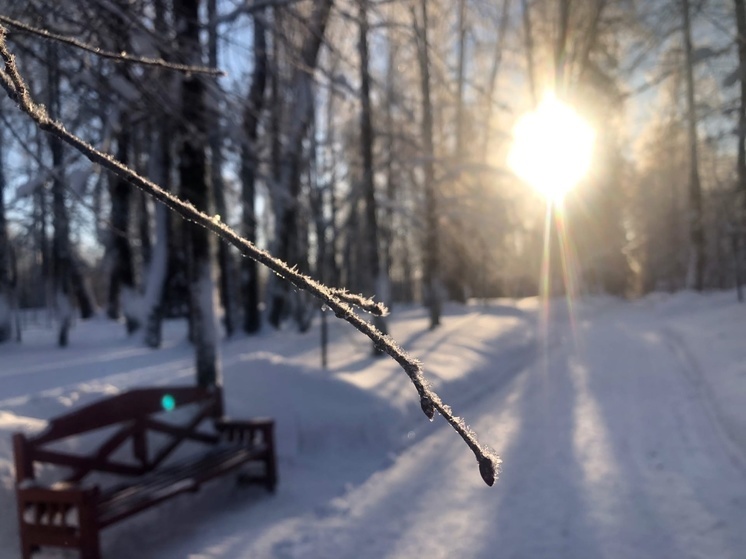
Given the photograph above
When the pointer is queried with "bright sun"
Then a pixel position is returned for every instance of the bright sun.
(552, 148)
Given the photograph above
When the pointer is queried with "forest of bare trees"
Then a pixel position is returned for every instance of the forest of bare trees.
(362, 142)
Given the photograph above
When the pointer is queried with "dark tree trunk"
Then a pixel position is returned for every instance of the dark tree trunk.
(252, 320)
(432, 264)
(6, 275)
(195, 187)
(60, 264)
(374, 278)
(741, 165)
(122, 279)
(696, 275)
(81, 289)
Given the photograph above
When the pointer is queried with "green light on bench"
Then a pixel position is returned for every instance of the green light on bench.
(168, 402)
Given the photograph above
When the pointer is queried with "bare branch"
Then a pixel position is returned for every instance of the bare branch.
(119, 57)
(366, 304)
(11, 81)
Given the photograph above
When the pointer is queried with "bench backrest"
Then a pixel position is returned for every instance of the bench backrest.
(132, 415)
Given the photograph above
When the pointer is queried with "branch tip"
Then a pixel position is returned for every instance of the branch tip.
(489, 468)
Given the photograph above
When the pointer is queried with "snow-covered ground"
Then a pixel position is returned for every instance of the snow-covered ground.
(622, 429)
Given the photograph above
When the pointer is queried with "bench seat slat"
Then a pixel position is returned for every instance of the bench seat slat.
(184, 477)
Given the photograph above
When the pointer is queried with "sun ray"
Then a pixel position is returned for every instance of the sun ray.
(568, 263)
(552, 151)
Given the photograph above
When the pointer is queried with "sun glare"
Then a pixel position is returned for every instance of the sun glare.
(552, 148)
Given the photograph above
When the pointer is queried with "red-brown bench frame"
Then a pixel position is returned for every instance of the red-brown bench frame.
(44, 511)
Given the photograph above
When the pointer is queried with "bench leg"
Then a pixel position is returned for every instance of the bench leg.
(271, 460)
(271, 471)
(27, 549)
(90, 547)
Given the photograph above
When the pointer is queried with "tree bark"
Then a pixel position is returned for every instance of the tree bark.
(195, 187)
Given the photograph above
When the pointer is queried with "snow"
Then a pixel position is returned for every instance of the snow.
(624, 436)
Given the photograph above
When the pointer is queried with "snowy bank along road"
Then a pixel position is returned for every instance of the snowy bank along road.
(619, 439)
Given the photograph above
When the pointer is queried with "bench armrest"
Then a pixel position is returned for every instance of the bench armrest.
(53, 504)
(60, 492)
(251, 431)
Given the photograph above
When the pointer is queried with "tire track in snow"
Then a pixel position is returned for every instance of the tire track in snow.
(694, 374)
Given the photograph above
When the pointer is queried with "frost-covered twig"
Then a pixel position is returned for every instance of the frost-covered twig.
(12, 82)
(364, 303)
(118, 56)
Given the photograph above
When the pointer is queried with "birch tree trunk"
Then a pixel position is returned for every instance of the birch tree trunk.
(157, 272)
(195, 187)
(159, 163)
(226, 264)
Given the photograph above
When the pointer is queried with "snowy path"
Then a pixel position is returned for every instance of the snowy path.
(617, 442)
(609, 451)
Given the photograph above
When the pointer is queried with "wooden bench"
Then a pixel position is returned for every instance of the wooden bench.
(149, 445)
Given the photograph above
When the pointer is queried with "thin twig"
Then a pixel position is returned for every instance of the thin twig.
(364, 303)
(118, 56)
(430, 402)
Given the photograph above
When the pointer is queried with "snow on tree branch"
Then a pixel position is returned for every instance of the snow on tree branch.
(118, 56)
(339, 302)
